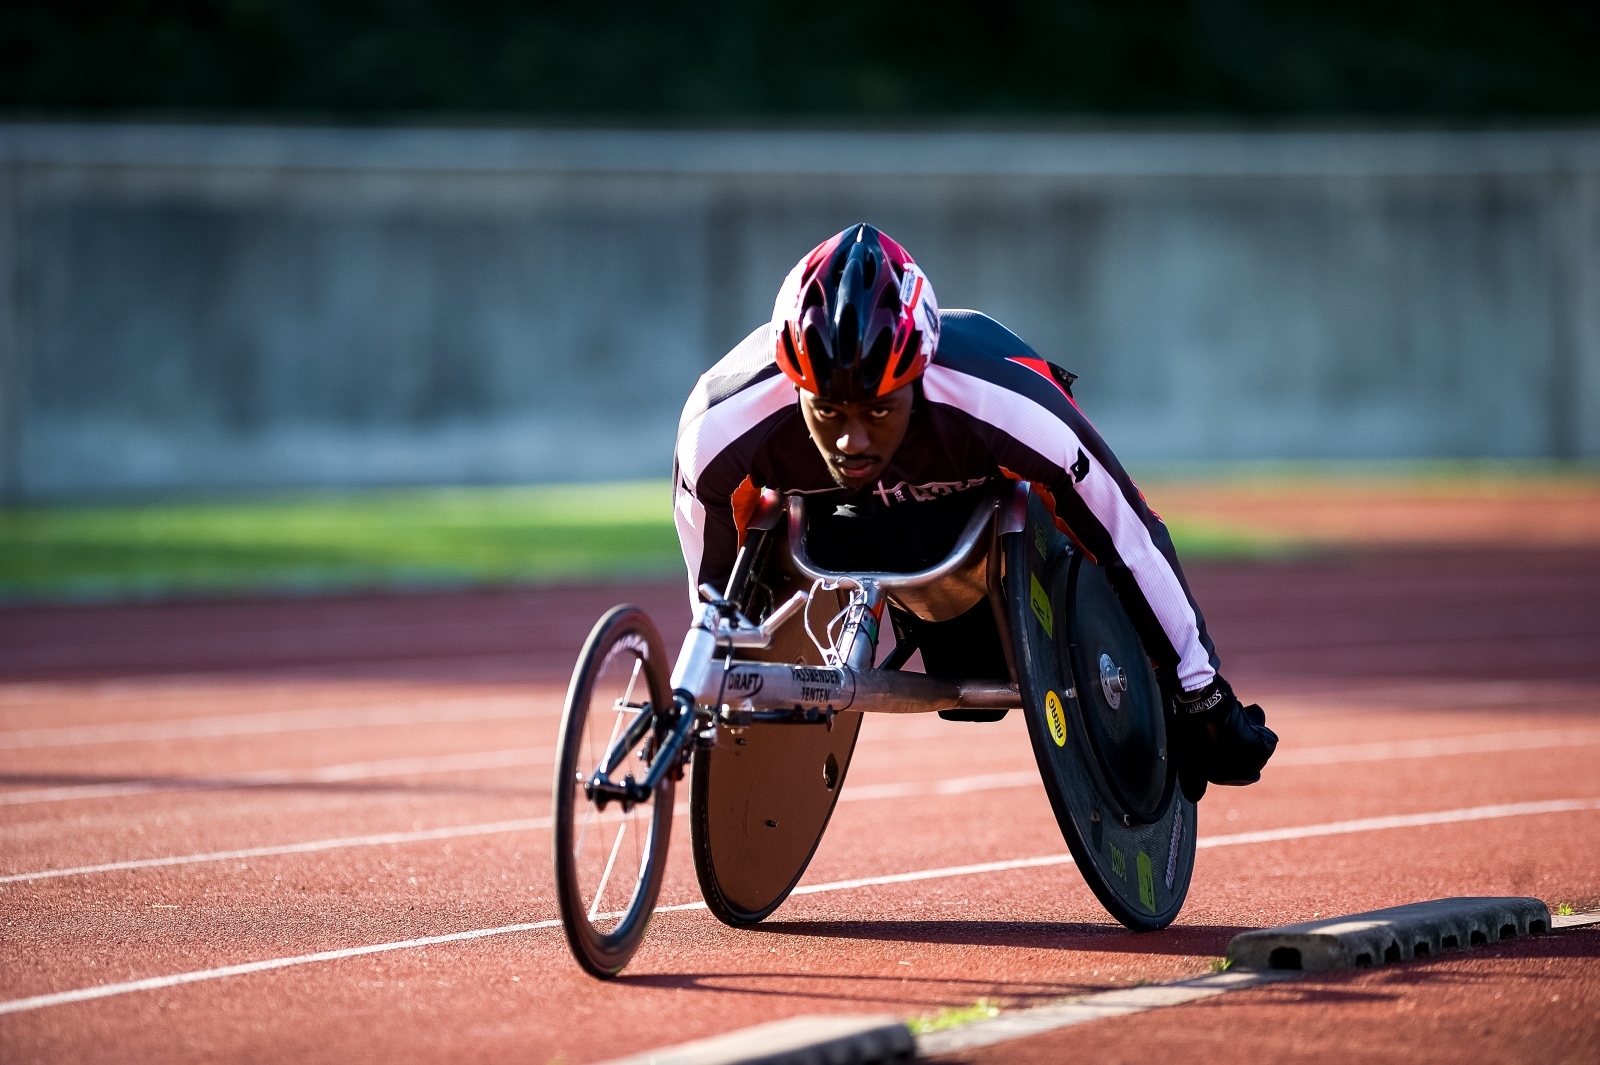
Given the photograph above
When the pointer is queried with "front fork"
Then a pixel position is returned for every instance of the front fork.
(697, 689)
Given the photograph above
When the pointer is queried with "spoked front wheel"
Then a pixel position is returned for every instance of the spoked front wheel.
(609, 861)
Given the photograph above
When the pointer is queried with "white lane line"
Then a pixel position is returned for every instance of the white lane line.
(156, 983)
(329, 774)
(1476, 813)
(527, 824)
(958, 786)
(1372, 824)
(868, 792)
(491, 708)
(1482, 743)
(423, 835)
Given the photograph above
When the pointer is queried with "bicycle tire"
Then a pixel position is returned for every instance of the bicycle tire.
(604, 940)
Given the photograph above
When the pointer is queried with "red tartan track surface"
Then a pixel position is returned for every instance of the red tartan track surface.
(1402, 683)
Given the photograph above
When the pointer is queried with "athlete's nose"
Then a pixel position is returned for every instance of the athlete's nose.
(853, 440)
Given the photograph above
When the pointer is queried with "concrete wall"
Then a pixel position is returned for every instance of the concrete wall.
(194, 308)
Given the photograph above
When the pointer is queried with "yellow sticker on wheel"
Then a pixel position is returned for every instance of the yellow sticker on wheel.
(1039, 599)
(1056, 718)
(1147, 883)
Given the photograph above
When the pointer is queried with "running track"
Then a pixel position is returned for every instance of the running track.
(299, 781)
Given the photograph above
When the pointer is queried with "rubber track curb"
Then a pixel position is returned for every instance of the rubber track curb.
(1399, 933)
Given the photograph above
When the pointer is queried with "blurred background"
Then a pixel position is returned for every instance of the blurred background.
(400, 293)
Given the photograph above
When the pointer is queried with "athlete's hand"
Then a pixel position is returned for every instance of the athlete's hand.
(1215, 739)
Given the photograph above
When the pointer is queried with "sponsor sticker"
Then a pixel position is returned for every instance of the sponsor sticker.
(1041, 543)
(745, 684)
(908, 288)
(1055, 718)
(1040, 601)
(1119, 862)
(1147, 882)
(818, 687)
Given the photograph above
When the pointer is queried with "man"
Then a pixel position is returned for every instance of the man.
(862, 393)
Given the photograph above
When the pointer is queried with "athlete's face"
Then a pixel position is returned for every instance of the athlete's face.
(857, 440)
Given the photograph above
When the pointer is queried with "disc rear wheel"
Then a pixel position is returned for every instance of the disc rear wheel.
(609, 861)
(1097, 723)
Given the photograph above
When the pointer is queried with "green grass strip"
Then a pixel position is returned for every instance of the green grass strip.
(327, 542)
(456, 537)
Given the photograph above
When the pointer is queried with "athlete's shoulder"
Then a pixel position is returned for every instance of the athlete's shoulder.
(975, 345)
(969, 335)
(752, 361)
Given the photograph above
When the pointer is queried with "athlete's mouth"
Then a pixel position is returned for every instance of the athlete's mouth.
(854, 466)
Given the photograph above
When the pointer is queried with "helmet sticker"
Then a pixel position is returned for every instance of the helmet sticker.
(908, 287)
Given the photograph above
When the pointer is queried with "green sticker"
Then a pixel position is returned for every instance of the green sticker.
(1147, 883)
(1040, 543)
(1041, 605)
(1119, 863)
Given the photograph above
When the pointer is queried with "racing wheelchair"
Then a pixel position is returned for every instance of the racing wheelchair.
(765, 707)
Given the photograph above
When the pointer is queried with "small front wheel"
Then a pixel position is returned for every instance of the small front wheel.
(609, 862)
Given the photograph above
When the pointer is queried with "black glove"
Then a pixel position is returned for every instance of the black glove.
(1215, 739)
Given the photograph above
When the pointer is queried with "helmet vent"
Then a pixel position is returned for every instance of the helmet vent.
(878, 357)
(814, 297)
(890, 300)
(869, 270)
(816, 347)
(908, 353)
(788, 347)
(849, 337)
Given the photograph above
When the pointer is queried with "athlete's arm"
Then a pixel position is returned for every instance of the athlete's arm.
(1035, 431)
(733, 408)
(708, 533)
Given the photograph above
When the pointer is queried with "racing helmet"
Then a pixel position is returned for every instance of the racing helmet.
(855, 319)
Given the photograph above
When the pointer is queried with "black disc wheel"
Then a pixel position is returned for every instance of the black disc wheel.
(1118, 701)
(1097, 723)
(609, 860)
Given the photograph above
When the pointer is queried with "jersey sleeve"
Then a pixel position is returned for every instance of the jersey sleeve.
(1035, 431)
(722, 428)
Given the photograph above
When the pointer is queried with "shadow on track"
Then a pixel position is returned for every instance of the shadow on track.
(908, 993)
(1202, 940)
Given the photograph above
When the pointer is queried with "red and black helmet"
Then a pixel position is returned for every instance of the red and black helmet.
(855, 319)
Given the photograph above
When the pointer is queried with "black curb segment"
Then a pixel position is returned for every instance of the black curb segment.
(795, 1041)
(1400, 933)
